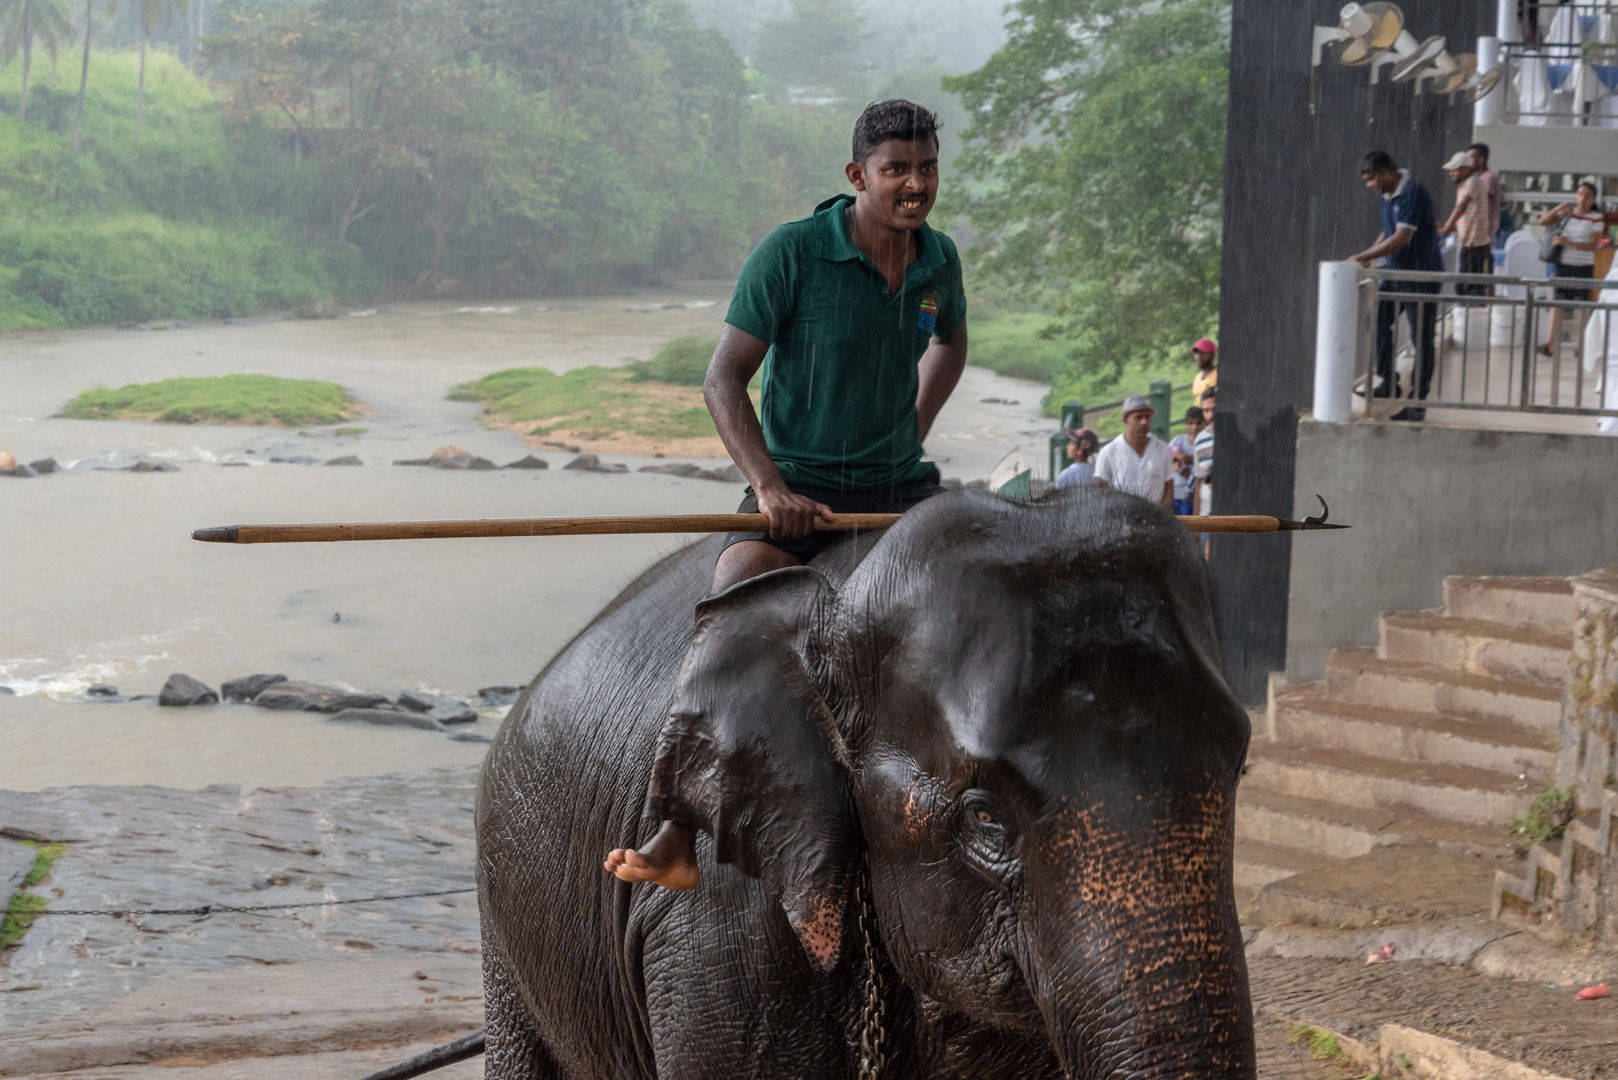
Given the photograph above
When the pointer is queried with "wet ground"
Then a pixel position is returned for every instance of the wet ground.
(100, 583)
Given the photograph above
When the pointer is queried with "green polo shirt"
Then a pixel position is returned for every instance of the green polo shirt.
(840, 379)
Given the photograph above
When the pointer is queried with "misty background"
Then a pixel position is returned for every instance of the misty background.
(203, 159)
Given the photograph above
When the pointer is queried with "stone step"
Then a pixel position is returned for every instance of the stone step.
(1545, 603)
(1519, 653)
(1455, 792)
(1389, 885)
(1332, 830)
(1359, 674)
(1259, 863)
(1309, 716)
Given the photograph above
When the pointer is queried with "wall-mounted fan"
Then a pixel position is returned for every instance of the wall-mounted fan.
(1407, 56)
(1362, 32)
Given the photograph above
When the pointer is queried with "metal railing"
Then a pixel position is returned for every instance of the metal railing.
(1485, 341)
(1569, 84)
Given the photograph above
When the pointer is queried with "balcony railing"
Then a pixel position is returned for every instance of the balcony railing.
(1505, 351)
(1567, 84)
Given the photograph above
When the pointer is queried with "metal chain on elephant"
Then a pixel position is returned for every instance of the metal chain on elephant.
(872, 1054)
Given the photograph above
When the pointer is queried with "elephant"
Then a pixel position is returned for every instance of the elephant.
(965, 797)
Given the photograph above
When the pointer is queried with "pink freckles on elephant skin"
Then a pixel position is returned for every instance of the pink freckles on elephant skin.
(819, 923)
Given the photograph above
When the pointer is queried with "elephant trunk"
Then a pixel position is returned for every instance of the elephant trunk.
(1137, 959)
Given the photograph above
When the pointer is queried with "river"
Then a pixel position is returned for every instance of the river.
(100, 582)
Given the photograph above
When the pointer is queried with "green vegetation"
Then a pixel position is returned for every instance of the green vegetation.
(1095, 162)
(1546, 820)
(681, 362)
(1322, 1045)
(25, 906)
(600, 401)
(223, 399)
(197, 225)
(1026, 345)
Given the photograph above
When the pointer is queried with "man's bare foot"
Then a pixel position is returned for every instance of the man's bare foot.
(669, 860)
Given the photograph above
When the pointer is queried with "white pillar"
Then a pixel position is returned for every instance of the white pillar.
(1336, 331)
(1505, 21)
(1488, 108)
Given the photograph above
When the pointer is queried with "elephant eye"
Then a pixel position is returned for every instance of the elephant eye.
(983, 819)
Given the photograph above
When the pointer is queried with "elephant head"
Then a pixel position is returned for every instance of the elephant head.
(1016, 709)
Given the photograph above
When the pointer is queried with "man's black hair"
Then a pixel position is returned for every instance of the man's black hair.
(895, 118)
(1481, 149)
(1195, 413)
(1209, 393)
(1591, 184)
(1378, 161)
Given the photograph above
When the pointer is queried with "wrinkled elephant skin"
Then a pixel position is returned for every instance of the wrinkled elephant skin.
(1012, 713)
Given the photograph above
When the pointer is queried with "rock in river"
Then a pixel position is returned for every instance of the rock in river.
(248, 687)
(100, 689)
(184, 690)
(386, 717)
(591, 463)
(346, 459)
(293, 696)
(499, 695)
(147, 466)
(444, 710)
(44, 466)
(529, 462)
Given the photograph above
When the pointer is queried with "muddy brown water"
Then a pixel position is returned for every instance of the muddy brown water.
(100, 583)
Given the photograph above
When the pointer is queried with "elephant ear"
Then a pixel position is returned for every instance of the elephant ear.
(751, 753)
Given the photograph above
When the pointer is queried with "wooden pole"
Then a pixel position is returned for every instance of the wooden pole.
(600, 526)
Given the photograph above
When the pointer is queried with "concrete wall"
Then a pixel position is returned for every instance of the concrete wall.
(1293, 197)
(1430, 501)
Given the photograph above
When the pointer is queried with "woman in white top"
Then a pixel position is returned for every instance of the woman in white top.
(1582, 226)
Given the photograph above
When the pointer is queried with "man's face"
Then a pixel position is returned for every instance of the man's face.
(1460, 174)
(1205, 360)
(1207, 411)
(1138, 424)
(1383, 183)
(898, 182)
(1193, 424)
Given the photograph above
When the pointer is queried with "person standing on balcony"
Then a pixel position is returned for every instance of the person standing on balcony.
(1138, 461)
(1409, 241)
(1582, 226)
(1469, 221)
(1491, 183)
(1205, 353)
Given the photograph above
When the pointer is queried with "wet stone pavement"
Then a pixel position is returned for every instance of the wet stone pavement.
(151, 847)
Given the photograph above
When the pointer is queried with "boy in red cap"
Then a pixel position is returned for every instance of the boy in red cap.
(1204, 352)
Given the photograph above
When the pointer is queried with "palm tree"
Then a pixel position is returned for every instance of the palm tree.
(84, 71)
(23, 20)
(151, 13)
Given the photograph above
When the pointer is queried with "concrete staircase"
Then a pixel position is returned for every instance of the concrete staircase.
(1379, 794)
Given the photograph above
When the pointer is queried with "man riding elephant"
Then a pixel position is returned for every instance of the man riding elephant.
(858, 316)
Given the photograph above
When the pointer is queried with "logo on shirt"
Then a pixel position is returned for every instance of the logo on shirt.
(928, 318)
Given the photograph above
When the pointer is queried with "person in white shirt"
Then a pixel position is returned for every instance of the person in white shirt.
(1581, 232)
(1138, 461)
(1081, 445)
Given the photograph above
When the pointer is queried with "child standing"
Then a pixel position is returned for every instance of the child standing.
(1081, 444)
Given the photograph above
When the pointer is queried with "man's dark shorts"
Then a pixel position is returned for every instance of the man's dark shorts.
(886, 500)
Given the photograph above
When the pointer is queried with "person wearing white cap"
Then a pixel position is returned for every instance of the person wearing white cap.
(1138, 461)
(1469, 221)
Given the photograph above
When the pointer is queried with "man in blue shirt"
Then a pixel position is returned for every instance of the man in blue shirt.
(1409, 241)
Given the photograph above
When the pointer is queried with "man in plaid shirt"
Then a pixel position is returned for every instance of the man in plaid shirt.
(1470, 222)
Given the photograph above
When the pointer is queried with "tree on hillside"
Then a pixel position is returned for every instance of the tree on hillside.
(820, 43)
(150, 13)
(21, 21)
(84, 69)
(1098, 143)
